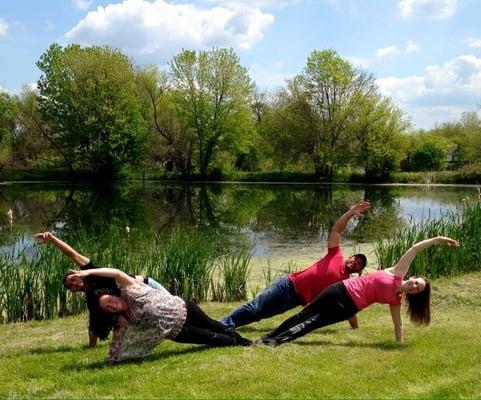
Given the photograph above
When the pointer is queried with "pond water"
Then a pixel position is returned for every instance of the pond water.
(276, 221)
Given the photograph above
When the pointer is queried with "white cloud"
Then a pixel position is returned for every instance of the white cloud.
(3, 27)
(252, 4)
(157, 30)
(268, 77)
(82, 4)
(387, 51)
(441, 93)
(411, 47)
(360, 62)
(473, 43)
(436, 9)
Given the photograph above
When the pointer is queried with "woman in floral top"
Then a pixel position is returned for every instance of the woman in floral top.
(146, 316)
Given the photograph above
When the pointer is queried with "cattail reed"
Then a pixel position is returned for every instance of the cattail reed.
(462, 224)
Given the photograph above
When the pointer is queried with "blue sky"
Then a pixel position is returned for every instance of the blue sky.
(424, 54)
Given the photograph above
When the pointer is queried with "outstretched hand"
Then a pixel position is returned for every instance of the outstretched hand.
(43, 237)
(448, 241)
(359, 208)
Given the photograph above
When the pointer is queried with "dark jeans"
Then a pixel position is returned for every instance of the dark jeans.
(276, 299)
(199, 328)
(330, 306)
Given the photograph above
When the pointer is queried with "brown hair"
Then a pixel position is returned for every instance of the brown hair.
(419, 305)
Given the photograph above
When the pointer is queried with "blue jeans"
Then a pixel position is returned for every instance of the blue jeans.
(154, 284)
(276, 299)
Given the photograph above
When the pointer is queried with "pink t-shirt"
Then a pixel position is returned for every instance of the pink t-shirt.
(311, 281)
(377, 287)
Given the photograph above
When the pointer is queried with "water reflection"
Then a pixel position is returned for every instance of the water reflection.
(264, 217)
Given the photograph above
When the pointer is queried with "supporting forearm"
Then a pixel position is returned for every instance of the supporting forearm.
(92, 339)
(398, 332)
(354, 322)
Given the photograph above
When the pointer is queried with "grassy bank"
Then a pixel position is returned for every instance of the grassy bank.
(49, 359)
(464, 176)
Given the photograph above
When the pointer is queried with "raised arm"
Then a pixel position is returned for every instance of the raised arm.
(121, 278)
(340, 225)
(49, 237)
(402, 266)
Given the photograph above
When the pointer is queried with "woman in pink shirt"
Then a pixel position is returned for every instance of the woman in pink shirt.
(342, 300)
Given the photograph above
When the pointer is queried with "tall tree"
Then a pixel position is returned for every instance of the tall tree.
(8, 116)
(171, 141)
(33, 137)
(376, 135)
(91, 101)
(213, 98)
(318, 106)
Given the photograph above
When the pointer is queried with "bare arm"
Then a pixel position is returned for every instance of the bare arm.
(92, 339)
(334, 239)
(402, 266)
(354, 322)
(397, 321)
(49, 237)
(116, 347)
(121, 278)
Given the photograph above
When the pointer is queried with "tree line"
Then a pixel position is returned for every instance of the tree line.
(94, 110)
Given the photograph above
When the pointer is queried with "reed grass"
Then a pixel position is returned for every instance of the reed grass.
(231, 284)
(31, 278)
(462, 224)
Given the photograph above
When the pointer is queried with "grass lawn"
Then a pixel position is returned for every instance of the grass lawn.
(50, 359)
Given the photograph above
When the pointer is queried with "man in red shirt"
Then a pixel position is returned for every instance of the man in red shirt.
(300, 288)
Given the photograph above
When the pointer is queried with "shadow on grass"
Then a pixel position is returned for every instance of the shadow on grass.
(84, 366)
(384, 345)
(58, 349)
(248, 329)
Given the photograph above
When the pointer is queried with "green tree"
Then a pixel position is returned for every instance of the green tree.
(315, 110)
(171, 140)
(8, 116)
(213, 100)
(33, 138)
(92, 104)
(376, 128)
(429, 156)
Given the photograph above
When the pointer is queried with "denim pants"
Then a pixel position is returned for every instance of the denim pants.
(153, 284)
(276, 299)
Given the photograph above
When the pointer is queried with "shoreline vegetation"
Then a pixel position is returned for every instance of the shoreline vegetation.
(196, 264)
(470, 176)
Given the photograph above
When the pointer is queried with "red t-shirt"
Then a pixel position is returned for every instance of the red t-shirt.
(376, 287)
(313, 280)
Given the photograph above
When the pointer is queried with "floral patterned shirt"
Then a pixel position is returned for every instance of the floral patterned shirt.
(155, 315)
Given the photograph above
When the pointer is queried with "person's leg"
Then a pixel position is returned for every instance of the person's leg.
(331, 306)
(154, 284)
(199, 328)
(197, 317)
(276, 299)
(193, 334)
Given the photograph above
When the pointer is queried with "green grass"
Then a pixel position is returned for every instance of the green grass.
(49, 359)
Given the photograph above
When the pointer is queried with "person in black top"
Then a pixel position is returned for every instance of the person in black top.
(100, 322)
